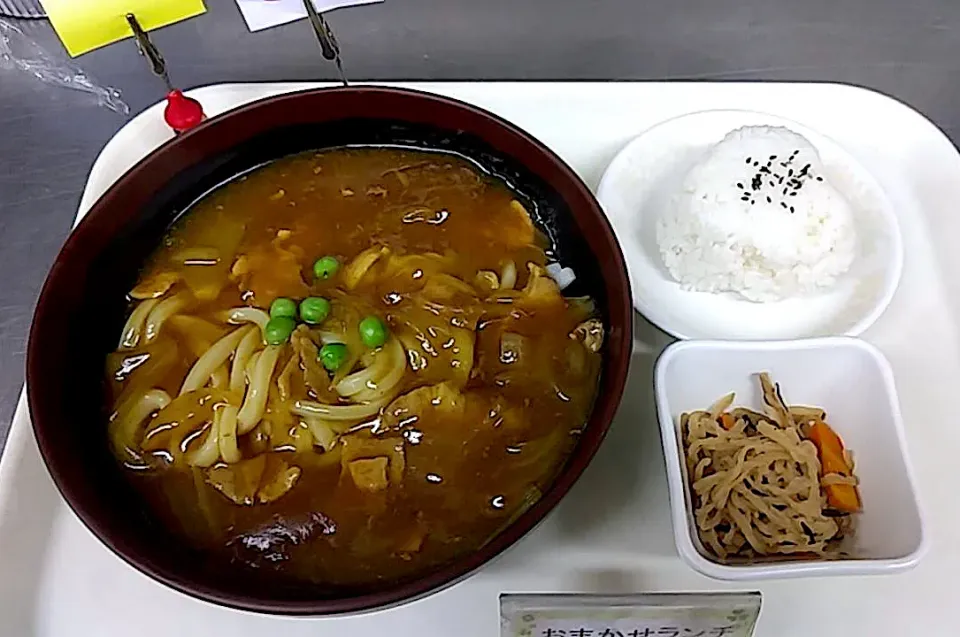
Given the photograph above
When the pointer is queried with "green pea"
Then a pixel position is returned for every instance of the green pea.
(278, 330)
(325, 267)
(283, 307)
(333, 356)
(314, 310)
(373, 332)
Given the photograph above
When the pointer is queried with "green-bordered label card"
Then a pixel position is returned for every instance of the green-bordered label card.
(646, 615)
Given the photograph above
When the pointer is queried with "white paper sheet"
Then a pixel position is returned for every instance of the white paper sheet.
(263, 14)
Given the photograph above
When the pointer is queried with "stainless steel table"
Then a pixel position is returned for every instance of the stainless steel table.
(49, 137)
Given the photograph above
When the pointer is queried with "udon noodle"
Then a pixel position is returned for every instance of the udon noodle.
(351, 366)
(757, 480)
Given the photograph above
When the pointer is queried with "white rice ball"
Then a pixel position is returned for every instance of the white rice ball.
(757, 217)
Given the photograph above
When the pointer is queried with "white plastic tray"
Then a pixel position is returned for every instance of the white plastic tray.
(612, 532)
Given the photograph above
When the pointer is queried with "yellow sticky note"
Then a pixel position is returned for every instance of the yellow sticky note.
(84, 25)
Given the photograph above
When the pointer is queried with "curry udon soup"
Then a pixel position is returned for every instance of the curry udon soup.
(350, 366)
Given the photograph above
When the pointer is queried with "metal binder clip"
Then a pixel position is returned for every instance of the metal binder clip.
(329, 46)
(147, 49)
(181, 113)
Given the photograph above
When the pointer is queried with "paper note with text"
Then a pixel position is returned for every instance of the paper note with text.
(263, 14)
(644, 615)
(83, 25)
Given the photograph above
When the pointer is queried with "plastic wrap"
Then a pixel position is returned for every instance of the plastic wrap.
(19, 51)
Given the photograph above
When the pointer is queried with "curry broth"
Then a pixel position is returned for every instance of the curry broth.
(486, 411)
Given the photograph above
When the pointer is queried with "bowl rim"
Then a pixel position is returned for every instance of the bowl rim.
(681, 512)
(620, 332)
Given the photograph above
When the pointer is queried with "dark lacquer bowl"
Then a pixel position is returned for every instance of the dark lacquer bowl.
(81, 309)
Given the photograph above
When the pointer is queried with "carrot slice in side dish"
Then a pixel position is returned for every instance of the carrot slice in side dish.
(842, 497)
(727, 421)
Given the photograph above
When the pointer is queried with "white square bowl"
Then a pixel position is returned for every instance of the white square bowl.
(852, 381)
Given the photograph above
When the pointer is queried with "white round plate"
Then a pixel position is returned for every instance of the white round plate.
(647, 173)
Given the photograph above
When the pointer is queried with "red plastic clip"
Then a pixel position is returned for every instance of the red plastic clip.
(182, 113)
